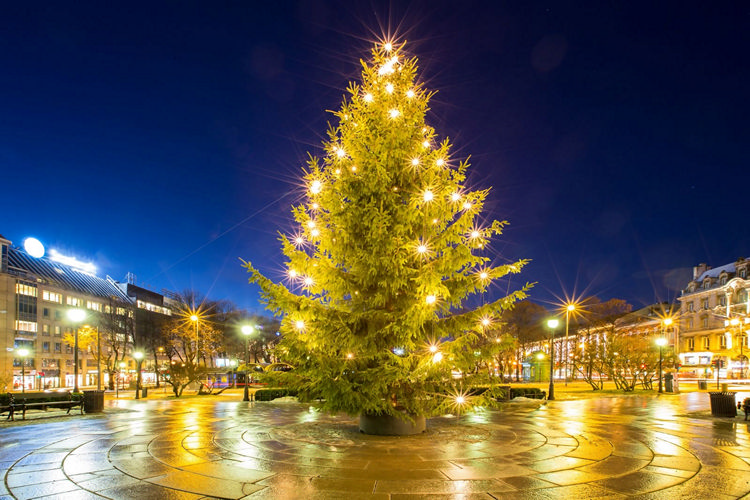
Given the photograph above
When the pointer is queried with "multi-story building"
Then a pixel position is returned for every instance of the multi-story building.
(715, 319)
(36, 294)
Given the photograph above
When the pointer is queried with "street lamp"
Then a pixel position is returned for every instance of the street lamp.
(569, 309)
(23, 352)
(138, 355)
(661, 342)
(247, 330)
(76, 316)
(552, 324)
(195, 318)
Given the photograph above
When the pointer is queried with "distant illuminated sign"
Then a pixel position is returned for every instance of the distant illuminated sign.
(33, 247)
(86, 267)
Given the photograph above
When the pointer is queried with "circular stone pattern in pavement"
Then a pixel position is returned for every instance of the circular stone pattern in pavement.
(616, 447)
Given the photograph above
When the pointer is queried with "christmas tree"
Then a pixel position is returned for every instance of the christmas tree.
(390, 249)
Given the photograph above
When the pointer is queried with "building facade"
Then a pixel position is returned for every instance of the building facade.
(714, 321)
(36, 295)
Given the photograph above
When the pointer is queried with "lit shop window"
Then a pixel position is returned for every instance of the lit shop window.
(74, 301)
(52, 296)
(24, 289)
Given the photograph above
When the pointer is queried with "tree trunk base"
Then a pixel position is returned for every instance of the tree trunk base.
(387, 425)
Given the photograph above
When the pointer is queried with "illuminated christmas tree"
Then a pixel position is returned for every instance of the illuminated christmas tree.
(390, 247)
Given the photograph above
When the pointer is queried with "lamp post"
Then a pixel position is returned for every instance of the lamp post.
(247, 330)
(23, 352)
(552, 324)
(138, 355)
(76, 316)
(195, 318)
(661, 342)
(568, 309)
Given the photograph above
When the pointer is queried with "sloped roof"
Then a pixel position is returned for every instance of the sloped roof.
(714, 273)
(61, 275)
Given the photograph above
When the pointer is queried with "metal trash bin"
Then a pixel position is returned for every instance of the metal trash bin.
(93, 401)
(723, 404)
(668, 378)
(144, 392)
(702, 385)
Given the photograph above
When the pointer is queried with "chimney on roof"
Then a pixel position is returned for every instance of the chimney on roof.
(700, 269)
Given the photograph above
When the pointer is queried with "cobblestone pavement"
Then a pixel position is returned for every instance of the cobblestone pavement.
(664, 446)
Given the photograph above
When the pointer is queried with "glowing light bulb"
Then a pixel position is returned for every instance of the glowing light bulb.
(340, 153)
(440, 162)
(424, 130)
(314, 206)
(308, 281)
(467, 205)
(438, 357)
(337, 171)
(455, 197)
(349, 356)
(409, 93)
(428, 196)
(426, 144)
(434, 221)
(368, 97)
(460, 400)
(475, 234)
(394, 113)
(485, 321)
(430, 299)
(422, 249)
(315, 233)
(354, 168)
(311, 224)
(483, 275)
(315, 186)
(388, 47)
(299, 240)
(415, 161)
(389, 88)
(433, 348)
(299, 324)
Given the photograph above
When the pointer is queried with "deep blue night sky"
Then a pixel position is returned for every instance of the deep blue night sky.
(166, 138)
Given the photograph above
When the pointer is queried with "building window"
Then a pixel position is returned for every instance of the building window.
(25, 289)
(45, 312)
(723, 280)
(74, 301)
(57, 331)
(58, 347)
(722, 300)
(26, 307)
(58, 315)
(743, 273)
(723, 341)
(691, 344)
(690, 306)
(705, 303)
(27, 326)
(68, 349)
(52, 296)
(94, 306)
(706, 343)
(45, 330)
(45, 346)
(690, 324)
(705, 322)
(707, 284)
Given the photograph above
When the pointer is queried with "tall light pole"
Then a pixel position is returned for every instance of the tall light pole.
(23, 352)
(247, 330)
(661, 342)
(195, 318)
(552, 324)
(138, 355)
(76, 316)
(569, 309)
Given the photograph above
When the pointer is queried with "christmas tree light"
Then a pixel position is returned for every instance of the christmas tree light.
(379, 289)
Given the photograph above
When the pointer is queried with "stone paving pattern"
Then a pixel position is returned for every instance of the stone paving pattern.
(643, 447)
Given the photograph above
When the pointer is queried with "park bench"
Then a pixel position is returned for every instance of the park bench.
(43, 401)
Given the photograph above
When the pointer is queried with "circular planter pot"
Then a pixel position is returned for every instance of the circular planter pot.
(387, 425)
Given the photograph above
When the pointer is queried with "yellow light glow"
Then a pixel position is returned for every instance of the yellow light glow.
(315, 233)
(455, 197)
(430, 299)
(368, 98)
(428, 196)
(299, 324)
(440, 162)
(668, 321)
(483, 275)
(354, 168)
(349, 356)
(485, 321)
(315, 186)
(434, 221)
(194, 317)
(475, 234)
(437, 357)
(314, 206)
(292, 273)
(311, 224)
(389, 88)
(409, 93)
(426, 144)
(424, 130)
(415, 161)
(571, 307)
(337, 171)
(388, 47)
(299, 240)
(394, 113)
(422, 248)
(460, 400)
(340, 153)
(308, 281)
(433, 348)
(467, 206)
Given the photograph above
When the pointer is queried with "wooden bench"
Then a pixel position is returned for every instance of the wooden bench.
(43, 401)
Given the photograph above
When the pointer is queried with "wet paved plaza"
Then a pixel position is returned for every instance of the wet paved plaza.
(664, 446)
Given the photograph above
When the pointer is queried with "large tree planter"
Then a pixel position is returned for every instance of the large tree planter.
(387, 425)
